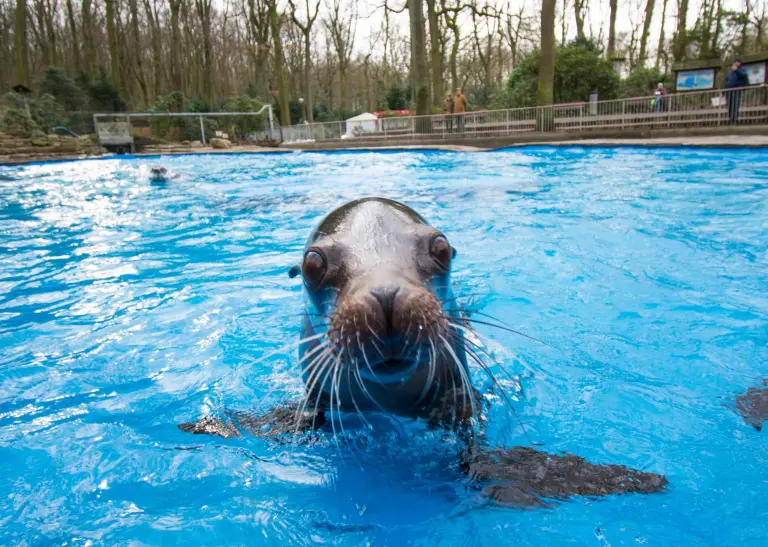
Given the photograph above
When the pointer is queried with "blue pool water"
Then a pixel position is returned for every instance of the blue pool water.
(127, 308)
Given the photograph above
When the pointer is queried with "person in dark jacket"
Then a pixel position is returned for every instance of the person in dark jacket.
(735, 81)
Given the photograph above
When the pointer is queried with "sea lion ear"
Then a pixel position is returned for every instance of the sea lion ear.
(293, 272)
(454, 252)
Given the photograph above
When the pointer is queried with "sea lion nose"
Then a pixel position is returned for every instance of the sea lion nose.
(386, 297)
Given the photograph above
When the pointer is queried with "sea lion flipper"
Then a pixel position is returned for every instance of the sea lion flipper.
(753, 406)
(551, 476)
(281, 420)
(211, 426)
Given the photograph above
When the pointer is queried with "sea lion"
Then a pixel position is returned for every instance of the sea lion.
(753, 405)
(159, 175)
(381, 331)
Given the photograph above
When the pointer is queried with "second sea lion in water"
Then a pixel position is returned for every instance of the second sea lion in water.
(381, 331)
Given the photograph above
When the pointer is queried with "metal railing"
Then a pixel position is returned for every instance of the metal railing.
(173, 126)
(744, 106)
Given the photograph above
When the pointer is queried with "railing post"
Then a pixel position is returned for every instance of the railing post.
(623, 113)
(202, 130)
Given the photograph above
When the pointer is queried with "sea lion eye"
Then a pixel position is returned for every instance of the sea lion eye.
(441, 251)
(314, 268)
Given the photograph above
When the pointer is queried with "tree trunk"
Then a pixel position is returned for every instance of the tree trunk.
(578, 11)
(113, 45)
(87, 32)
(680, 34)
(204, 14)
(307, 81)
(136, 37)
(611, 50)
(21, 43)
(435, 53)
(176, 69)
(50, 11)
(660, 48)
(545, 94)
(418, 57)
(646, 31)
(73, 34)
(282, 82)
(157, 52)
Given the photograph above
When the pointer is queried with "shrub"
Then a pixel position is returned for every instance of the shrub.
(579, 69)
(64, 89)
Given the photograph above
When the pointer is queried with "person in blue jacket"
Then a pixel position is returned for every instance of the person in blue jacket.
(735, 81)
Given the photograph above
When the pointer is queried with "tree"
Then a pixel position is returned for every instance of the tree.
(73, 34)
(282, 81)
(646, 32)
(611, 49)
(436, 54)
(342, 30)
(114, 53)
(579, 10)
(419, 80)
(306, 31)
(20, 43)
(203, 8)
(545, 89)
(680, 34)
(86, 20)
(660, 48)
(177, 78)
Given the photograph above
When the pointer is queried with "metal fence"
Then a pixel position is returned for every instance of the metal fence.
(746, 106)
(190, 127)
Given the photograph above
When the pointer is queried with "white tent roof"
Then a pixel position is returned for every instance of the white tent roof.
(364, 117)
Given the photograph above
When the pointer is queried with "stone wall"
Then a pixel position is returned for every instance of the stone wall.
(45, 148)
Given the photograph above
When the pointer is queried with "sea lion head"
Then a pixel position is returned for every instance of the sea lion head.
(381, 330)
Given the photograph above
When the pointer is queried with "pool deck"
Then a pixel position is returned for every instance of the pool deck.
(484, 145)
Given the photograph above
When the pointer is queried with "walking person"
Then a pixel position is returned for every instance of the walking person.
(448, 111)
(460, 107)
(735, 81)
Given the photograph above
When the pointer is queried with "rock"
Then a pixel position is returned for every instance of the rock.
(38, 134)
(196, 143)
(39, 141)
(220, 143)
(185, 143)
(66, 138)
(53, 137)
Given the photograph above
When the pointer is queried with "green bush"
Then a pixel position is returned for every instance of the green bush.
(47, 113)
(105, 97)
(64, 89)
(239, 127)
(643, 81)
(16, 122)
(398, 97)
(579, 69)
(179, 128)
(44, 114)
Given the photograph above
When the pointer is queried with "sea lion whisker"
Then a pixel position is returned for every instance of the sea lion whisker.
(502, 327)
(288, 347)
(352, 394)
(336, 370)
(323, 362)
(477, 347)
(503, 393)
(489, 339)
(466, 384)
